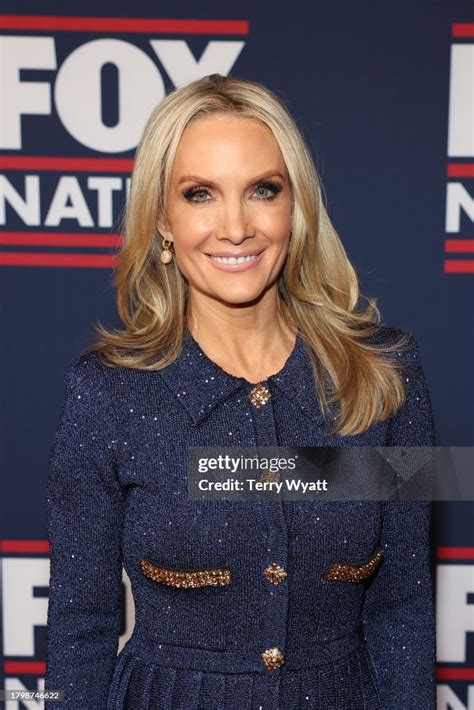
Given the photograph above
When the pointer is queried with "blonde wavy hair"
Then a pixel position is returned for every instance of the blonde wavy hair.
(318, 290)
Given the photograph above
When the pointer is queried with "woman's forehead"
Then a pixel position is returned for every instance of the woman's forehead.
(227, 144)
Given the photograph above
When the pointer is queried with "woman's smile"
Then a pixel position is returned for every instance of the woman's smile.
(230, 262)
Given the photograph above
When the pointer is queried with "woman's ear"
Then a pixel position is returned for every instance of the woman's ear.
(163, 228)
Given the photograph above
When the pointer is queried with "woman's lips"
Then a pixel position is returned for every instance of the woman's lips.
(220, 262)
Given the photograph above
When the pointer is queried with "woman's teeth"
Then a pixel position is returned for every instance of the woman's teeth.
(233, 259)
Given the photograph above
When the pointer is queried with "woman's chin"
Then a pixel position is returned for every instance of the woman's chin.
(239, 297)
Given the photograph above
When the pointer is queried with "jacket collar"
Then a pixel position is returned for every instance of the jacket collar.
(200, 384)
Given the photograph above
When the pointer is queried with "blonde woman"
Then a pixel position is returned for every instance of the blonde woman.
(243, 325)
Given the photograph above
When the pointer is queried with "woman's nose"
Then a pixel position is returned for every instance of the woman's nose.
(234, 223)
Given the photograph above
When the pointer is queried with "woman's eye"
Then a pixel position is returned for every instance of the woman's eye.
(194, 193)
(264, 189)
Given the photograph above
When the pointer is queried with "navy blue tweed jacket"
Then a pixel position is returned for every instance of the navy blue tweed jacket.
(276, 634)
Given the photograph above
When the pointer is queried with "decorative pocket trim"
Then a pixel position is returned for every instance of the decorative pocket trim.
(345, 572)
(185, 579)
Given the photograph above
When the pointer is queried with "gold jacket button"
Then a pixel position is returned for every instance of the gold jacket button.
(273, 658)
(275, 573)
(268, 476)
(259, 395)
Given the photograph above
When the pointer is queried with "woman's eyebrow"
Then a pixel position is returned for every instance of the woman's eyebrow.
(203, 181)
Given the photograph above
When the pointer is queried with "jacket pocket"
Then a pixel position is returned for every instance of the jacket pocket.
(347, 572)
(185, 579)
(186, 607)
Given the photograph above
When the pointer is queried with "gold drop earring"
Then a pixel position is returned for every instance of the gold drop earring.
(166, 255)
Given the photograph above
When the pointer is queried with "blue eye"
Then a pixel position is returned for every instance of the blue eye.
(272, 187)
(191, 194)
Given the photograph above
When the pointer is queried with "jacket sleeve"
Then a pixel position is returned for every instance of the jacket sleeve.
(84, 516)
(398, 612)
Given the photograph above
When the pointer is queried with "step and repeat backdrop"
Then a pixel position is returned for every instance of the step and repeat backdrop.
(384, 96)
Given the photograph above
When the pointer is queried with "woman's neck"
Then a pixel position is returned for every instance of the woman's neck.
(250, 341)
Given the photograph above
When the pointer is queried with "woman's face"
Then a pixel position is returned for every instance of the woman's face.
(229, 209)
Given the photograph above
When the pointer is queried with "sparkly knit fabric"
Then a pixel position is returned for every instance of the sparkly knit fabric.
(117, 492)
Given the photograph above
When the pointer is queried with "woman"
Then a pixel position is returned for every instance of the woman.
(243, 326)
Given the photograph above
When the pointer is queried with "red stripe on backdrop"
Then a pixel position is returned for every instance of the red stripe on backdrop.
(98, 261)
(91, 165)
(24, 546)
(60, 239)
(463, 29)
(455, 553)
(459, 245)
(460, 170)
(140, 25)
(24, 667)
(458, 266)
(455, 674)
